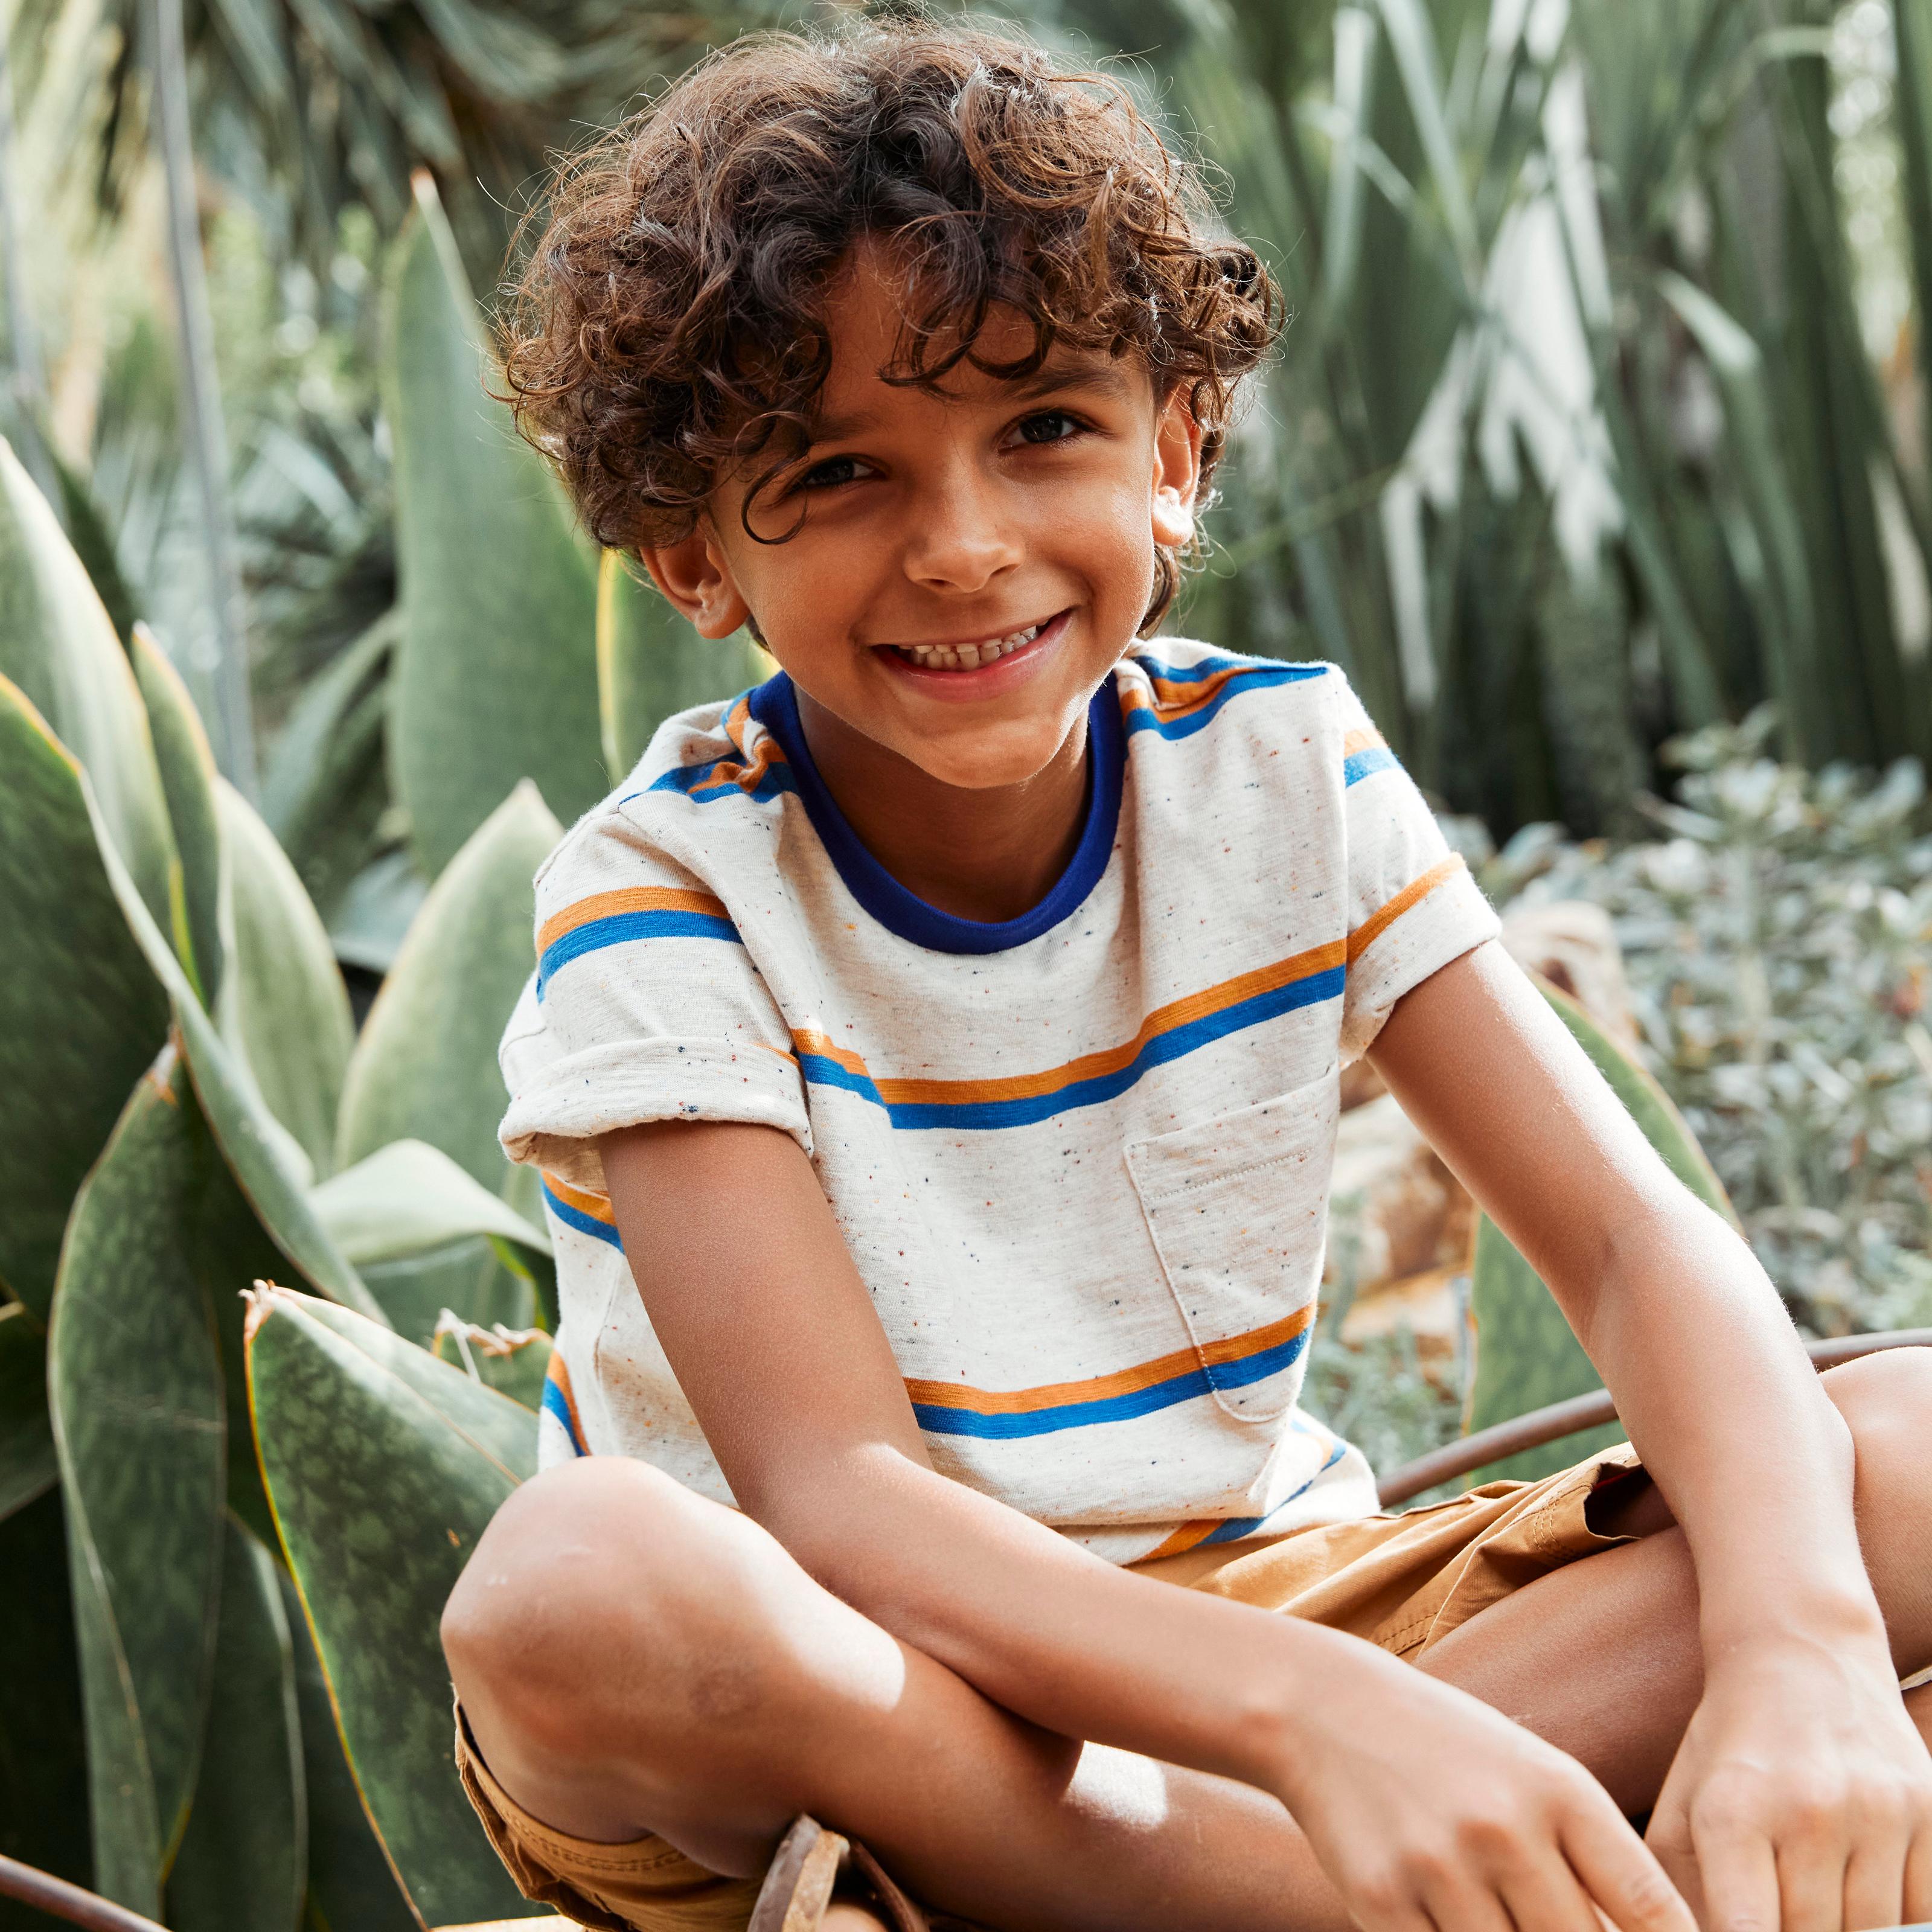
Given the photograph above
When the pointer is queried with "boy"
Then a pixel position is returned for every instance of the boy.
(933, 1057)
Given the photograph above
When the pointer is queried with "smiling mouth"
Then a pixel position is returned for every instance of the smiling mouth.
(968, 656)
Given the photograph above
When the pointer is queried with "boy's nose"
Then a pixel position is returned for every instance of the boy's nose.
(959, 536)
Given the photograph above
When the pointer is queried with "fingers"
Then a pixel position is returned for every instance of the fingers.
(1624, 1876)
(1917, 1908)
(1740, 1876)
(1875, 1888)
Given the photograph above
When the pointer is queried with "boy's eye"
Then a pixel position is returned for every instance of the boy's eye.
(1049, 426)
(832, 471)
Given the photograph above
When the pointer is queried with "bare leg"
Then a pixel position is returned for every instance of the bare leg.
(633, 1659)
(712, 1690)
(1602, 1658)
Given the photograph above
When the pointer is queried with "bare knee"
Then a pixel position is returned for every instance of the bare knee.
(1886, 1401)
(600, 1589)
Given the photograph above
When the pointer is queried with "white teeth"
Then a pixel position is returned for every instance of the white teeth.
(968, 657)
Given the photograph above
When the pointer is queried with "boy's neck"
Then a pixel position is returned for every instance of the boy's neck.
(990, 856)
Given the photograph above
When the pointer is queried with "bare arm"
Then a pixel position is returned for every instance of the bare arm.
(1801, 1760)
(1417, 1798)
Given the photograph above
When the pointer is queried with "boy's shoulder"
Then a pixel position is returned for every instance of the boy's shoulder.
(1174, 688)
(696, 757)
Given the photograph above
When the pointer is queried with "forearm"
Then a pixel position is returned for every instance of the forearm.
(1733, 1425)
(1053, 1633)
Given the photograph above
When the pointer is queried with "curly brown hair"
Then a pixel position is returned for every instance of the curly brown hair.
(669, 322)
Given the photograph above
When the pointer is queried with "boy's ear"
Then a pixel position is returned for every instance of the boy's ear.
(696, 579)
(1177, 471)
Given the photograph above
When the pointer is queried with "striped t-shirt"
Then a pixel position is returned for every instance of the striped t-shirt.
(1081, 1159)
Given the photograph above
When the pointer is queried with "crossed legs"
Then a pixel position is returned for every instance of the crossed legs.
(633, 1660)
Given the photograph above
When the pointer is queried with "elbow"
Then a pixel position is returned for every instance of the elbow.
(844, 1522)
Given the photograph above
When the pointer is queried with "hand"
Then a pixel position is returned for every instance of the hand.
(1429, 1810)
(1801, 1799)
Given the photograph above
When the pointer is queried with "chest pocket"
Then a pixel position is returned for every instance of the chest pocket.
(1236, 1207)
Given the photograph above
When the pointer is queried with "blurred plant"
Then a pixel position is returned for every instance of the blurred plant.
(1573, 440)
(1779, 944)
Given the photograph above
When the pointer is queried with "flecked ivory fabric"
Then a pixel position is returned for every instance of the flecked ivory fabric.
(1081, 1159)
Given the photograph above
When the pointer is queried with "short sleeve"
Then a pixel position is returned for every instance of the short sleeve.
(645, 1006)
(1413, 907)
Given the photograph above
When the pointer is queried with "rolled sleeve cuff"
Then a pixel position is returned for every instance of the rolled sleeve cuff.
(1426, 926)
(556, 1118)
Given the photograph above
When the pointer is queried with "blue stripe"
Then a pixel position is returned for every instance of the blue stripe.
(1366, 763)
(697, 783)
(555, 1405)
(584, 1224)
(1235, 1528)
(1141, 719)
(621, 927)
(820, 1072)
(1212, 667)
(937, 1419)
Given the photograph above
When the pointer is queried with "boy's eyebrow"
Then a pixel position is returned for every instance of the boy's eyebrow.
(1102, 377)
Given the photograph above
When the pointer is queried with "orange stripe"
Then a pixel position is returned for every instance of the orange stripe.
(1364, 740)
(597, 1206)
(734, 722)
(559, 1373)
(1122, 1381)
(626, 899)
(1027, 1086)
(1372, 928)
(1175, 700)
(1183, 1539)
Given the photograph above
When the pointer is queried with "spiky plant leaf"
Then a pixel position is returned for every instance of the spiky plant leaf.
(651, 665)
(268, 1165)
(409, 1196)
(383, 1468)
(188, 781)
(1527, 1355)
(243, 1864)
(29, 1468)
(135, 1384)
(424, 1067)
(326, 789)
(351, 1888)
(44, 1798)
(81, 1015)
(288, 1010)
(496, 674)
(57, 644)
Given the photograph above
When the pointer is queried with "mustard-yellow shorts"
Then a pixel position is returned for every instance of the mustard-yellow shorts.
(1402, 1582)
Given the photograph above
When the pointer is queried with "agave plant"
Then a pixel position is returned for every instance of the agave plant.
(211, 1117)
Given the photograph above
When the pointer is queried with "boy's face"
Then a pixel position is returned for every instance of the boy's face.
(967, 566)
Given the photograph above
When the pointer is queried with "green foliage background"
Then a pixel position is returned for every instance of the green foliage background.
(1601, 419)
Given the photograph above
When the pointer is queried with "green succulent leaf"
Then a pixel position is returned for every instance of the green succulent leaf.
(188, 781)
(324, 790)
(43, 1795)
(243, 1864)
(57, 644)
(28, 1467)
(135, 1384)
(383, 1465)
(409, 1196)
(424, 1067)
(287, 1012)
(651, 664)
(351, 1888)
(81, 1016)
(496, 676)
(267, 1162)
(1527, 1354)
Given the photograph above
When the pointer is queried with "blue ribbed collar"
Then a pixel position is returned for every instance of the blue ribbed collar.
(775, 705)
